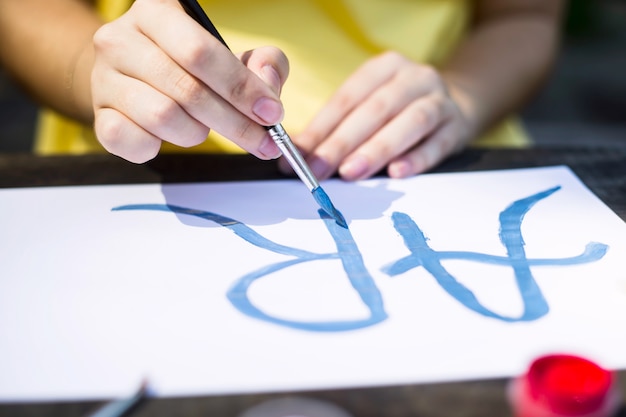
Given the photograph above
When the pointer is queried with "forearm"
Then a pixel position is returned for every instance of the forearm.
(47, 47)
(503, 62)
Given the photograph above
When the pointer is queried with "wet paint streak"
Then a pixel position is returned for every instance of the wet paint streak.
(593, 251)
(324, 201)
(421, 255)
(236, 226)
(347, 252)
(535, 305)
(354, 267)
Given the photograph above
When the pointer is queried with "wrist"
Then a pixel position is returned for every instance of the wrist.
(470, 108)
(78, 82)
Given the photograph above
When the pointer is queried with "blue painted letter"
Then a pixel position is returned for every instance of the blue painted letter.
(535, 305)
(347, 252)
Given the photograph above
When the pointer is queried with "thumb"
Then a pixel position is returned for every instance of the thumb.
(270, 64)
(270, 76)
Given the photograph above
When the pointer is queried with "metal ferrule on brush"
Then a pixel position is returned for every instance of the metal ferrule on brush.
(293, 155)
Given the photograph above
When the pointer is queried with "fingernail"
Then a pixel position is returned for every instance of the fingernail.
(269, 149)
(270, 111)
(320, 167)
(354, 168)
(399, 169)
(270, 76)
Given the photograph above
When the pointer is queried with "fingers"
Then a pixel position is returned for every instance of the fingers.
(405, 131)
(196, 50)
(357, 88)
(155, 112)
(333, 132)
(124, 137)
(427, 154)
(173, 80)
(270, 64)
(381, 116)
(385, 108)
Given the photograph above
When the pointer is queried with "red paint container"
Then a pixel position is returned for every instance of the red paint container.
(564, 386)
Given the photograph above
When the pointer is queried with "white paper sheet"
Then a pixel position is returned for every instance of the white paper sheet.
(102, 286)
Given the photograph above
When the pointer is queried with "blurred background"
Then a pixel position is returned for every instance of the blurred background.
(583, 103)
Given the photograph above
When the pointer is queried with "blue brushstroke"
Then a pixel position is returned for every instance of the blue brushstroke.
(535, 305)
(324, 201)
(421, 255)
(347, 252)
(236, 226)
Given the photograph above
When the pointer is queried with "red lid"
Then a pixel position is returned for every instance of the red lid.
(568, 385)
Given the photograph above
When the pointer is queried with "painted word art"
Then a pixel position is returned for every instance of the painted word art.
(421, 255)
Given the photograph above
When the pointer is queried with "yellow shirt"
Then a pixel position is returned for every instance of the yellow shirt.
(325, 40)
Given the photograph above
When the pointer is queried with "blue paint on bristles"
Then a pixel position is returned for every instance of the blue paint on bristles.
(324, 201)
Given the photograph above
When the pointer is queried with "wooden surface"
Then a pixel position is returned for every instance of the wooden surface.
(602, 169)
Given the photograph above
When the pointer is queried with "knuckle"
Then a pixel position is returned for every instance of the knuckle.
(112, 131)
(429, 73)
(421, 117)
(378, 106)
(343, 103)
(163, 113)
(239, 87)
(105, 38)
(190, 91)
(109, 130)
(196, 53)
(427, 113)
(243, 130)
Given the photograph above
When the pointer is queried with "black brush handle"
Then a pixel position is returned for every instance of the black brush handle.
(194, 10)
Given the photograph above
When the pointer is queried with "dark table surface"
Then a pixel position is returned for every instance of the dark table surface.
(602, 169)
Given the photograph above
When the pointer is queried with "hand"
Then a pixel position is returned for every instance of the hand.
(159, 76)
(391, 112)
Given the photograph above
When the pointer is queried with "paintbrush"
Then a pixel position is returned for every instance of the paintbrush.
(277, 132)
(124, 406)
